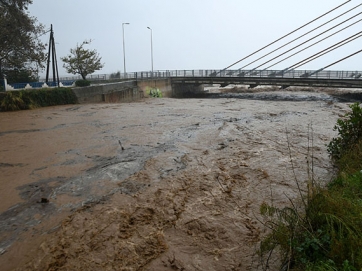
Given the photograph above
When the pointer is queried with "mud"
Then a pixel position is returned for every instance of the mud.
(161, 184)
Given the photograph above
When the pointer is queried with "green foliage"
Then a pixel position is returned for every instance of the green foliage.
(327, 236)
(349, 133)
(82, 83)
(82, 61)
(12, 101)
(327, 233)
(351, 161)
(20, 76)
(154, 92)
(29, 99)
(20, 46)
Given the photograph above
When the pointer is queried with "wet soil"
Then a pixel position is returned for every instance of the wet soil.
(161, 184)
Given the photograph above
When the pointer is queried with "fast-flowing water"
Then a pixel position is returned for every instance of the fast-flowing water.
(159, 184)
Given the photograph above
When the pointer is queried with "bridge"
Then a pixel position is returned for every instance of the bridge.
(186, 83)
(253, 78)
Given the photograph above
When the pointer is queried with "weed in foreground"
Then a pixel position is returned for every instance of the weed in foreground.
(325, 233)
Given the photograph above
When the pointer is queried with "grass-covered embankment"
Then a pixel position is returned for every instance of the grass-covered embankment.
(327, 234)
(29, 99)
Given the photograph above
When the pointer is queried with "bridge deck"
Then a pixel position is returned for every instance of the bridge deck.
(333, 79)
(283, 82)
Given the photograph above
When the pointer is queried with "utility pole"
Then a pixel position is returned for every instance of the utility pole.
(53, 55)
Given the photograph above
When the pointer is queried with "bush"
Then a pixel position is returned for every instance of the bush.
(29, 99)
(82, 83)
(327, 233)
(12, 101)
(154, 92)
(349, 133)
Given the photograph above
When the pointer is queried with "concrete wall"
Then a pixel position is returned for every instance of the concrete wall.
(164, 85)
(132, 91)
(111, 93)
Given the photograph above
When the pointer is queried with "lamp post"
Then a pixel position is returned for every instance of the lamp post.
(124, 49)
(151, 48)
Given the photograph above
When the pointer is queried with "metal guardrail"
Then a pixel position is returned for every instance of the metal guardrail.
(324, 74)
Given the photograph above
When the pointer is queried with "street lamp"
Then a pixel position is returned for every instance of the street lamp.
(124, 49)
(151, 48)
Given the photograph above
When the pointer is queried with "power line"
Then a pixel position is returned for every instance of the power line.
(287, 34)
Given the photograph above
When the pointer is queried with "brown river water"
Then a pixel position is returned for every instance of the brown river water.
(159, 184)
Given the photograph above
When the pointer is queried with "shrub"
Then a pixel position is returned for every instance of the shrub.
(12, 101)
(82, 83)
(154, 92)
(349, 133)
(326, 234)
(29, 99)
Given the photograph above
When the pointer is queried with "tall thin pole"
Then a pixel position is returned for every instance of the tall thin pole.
(52, 54)
(124, 49)
(151, 48)
(49, 51)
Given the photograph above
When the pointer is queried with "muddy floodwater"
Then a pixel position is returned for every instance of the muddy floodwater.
(160, 184)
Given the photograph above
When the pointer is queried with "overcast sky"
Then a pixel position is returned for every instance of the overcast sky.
(197, 34)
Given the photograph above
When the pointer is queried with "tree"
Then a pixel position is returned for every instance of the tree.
(82, 61)
(20, 47)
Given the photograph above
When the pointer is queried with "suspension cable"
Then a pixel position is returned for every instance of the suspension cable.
(325, 51)
(305, 35)
(312, 44)
(288, 34)
(336, 62)
(312, 39)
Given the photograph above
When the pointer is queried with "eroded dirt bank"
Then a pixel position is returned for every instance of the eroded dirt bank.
(163, 184)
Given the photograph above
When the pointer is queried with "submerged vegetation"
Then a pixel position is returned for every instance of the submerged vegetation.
(29, 99)
(325, 233)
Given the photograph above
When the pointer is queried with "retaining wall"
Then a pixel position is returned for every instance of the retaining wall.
(164, 85)
(134, 90)
(111, 93)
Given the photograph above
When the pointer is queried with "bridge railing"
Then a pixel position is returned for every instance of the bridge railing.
(144, 75)
(322, 74)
